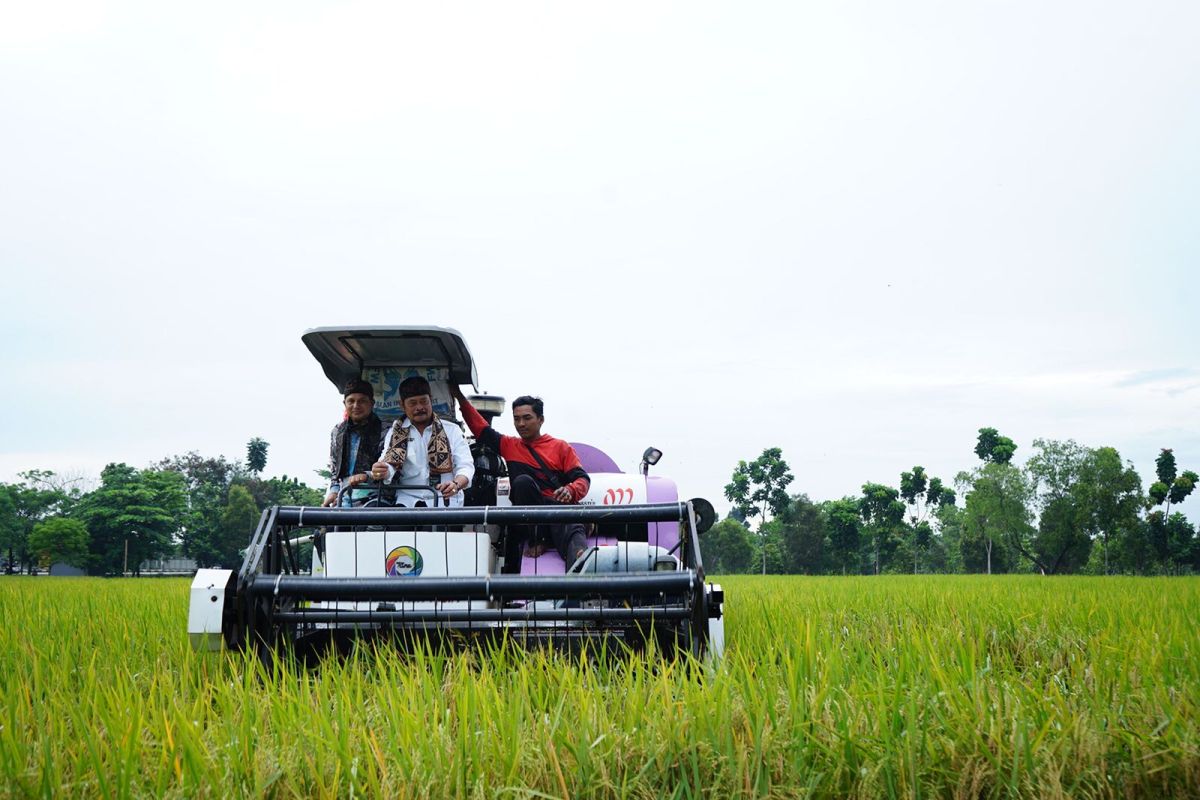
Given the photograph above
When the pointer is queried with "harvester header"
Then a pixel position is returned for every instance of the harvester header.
(320, 578)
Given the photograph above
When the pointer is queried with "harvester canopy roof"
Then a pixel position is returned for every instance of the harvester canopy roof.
(348, 352)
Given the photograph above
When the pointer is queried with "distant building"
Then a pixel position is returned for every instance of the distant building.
(152, 567)
(168, 566)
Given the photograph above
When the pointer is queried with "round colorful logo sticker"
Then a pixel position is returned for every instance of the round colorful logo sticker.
(404, 560)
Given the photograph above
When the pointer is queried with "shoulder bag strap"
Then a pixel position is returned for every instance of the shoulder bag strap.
(551, 475)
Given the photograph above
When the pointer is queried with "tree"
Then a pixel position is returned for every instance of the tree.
(11, 528)
(1182, 551)
(997, 497)
(22, 507)
(1171, 541)
(1170, 488)
(59, 539)
(1063, 475)
(994, 448)
(912, 487)
(282, 491)
(728, 548)
(996, 513)
(1182, 487)
(207, 480)
(256, 455)
(1062, 543)
(238, 521)
(66, 487)
(802, 536)
(1164, 466)
(950, 540)
(760, 487)
(921, 537)
(1169, 536)
(770, 542)
(844, 524)
(200, 471)
(137, 512)
(883, 513)
(1109, 493)
(920, 494)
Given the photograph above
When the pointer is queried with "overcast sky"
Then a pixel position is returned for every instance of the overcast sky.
(855, 231)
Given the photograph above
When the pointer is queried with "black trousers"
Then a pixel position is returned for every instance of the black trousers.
(569, 539)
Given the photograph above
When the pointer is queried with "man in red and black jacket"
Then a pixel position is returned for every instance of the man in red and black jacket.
(542, 470)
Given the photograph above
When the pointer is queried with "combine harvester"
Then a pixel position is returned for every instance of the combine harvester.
(320, 578)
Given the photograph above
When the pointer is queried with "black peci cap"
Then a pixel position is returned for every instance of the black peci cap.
(359, 386)
(414, 387)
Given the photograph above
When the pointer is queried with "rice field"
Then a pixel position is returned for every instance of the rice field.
(961, 686)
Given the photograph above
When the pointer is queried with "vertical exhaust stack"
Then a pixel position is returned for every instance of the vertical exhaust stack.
(490, 481)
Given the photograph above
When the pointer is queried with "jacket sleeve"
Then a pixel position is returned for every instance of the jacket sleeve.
(335, 483)
(483, 432)
(577, 480)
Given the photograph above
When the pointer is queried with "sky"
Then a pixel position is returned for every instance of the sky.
(855, 231)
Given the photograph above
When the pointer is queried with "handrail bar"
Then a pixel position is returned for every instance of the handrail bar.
(486, 615)
(486, 587)
(478, 515)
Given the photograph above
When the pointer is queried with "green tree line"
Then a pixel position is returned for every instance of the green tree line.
(200, 507)
(1068, 509)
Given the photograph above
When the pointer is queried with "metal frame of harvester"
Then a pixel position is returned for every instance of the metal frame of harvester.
(315, 579)
(274, 602)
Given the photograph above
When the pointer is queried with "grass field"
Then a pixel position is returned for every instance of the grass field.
(894, 687)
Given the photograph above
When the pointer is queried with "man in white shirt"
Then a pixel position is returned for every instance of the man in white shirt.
(421, 450)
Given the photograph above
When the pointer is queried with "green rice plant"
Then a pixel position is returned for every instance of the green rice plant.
(906, 686)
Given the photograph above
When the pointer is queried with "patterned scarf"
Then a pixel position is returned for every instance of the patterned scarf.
(440, 461)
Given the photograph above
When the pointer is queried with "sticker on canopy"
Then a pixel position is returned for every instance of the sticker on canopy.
(386, 382)
(404, 561)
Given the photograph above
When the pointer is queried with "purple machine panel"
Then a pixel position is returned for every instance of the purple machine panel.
(594, 459)
(662, 490)
(658, 490)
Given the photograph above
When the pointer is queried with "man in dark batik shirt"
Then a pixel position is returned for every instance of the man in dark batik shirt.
(354, 444)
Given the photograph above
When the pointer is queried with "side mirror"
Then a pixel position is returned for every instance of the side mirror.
(650, 458)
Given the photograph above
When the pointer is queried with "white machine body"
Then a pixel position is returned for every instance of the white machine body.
(206, 608)
(615, 489)
(607, 489)
(628, 557)
(405, 554)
